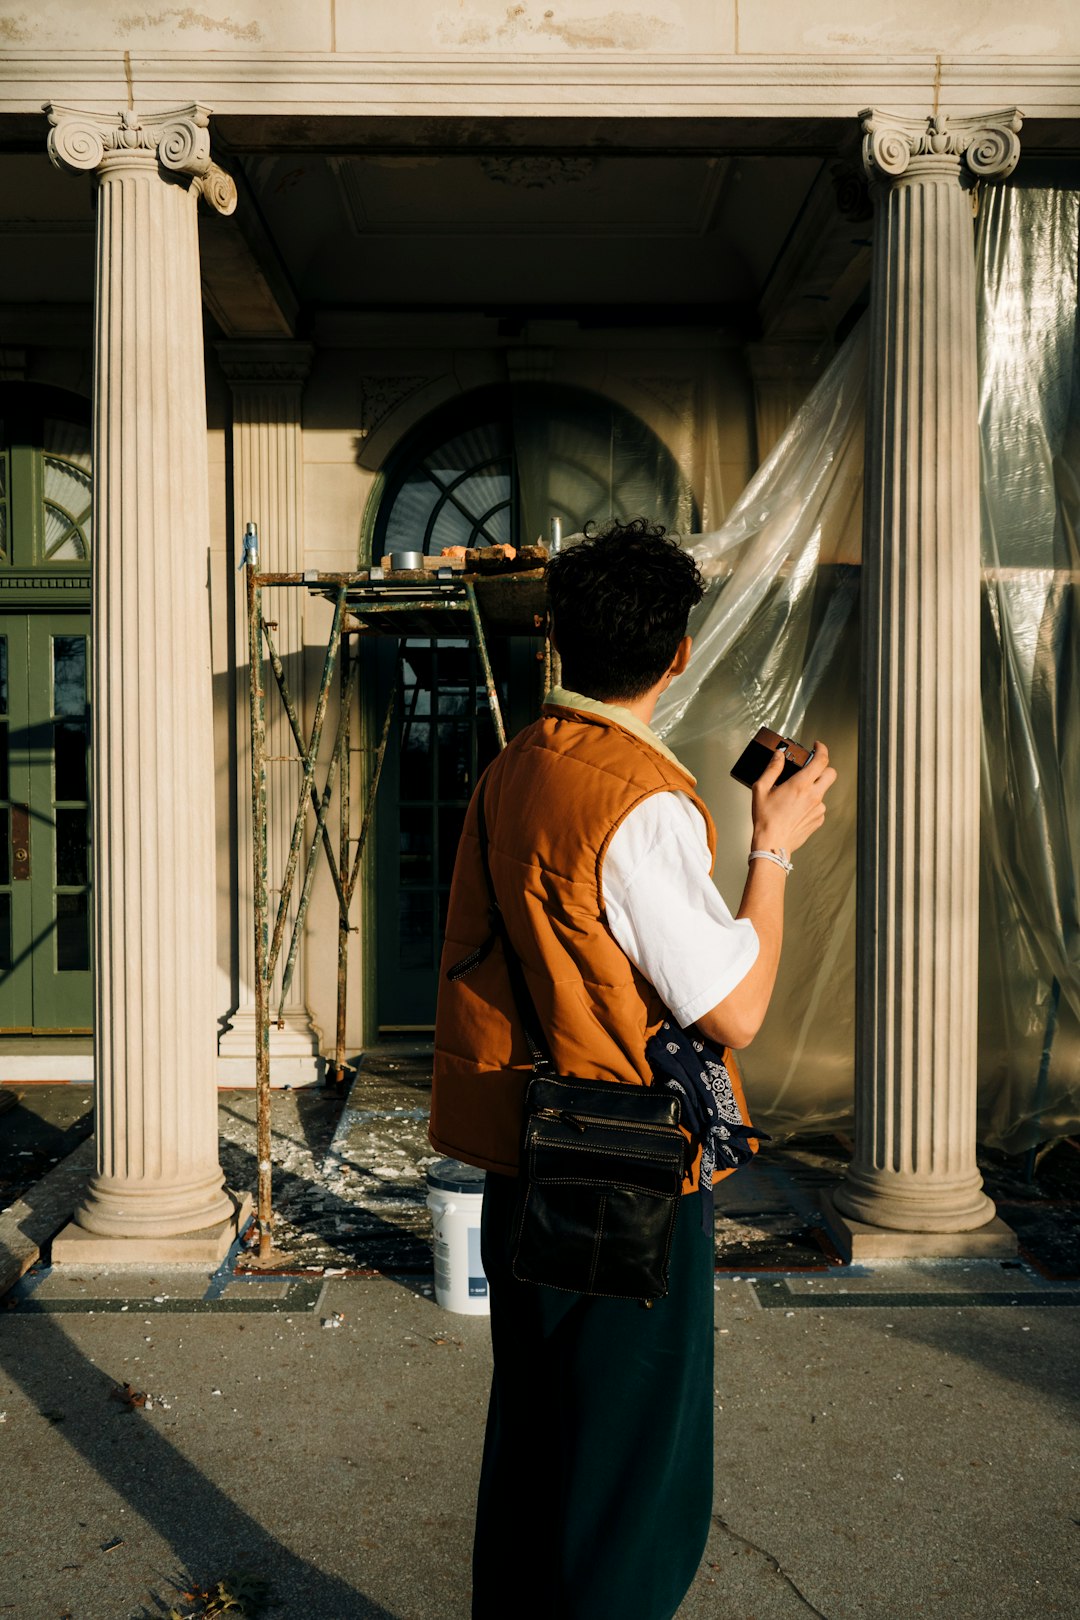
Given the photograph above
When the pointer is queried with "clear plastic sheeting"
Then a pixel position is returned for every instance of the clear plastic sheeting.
(1029, 995)
(776, 643)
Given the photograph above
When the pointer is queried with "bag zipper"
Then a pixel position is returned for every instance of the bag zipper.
(581, 1122)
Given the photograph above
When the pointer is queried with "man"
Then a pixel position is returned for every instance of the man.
(596, 1487)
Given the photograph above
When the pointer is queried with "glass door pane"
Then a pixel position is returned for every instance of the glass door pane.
(71, 789)
(17, 842)
(60, 792)
(6, 954)
(442, 738)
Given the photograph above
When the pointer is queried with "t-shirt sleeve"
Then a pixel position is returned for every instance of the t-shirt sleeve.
(667, 914)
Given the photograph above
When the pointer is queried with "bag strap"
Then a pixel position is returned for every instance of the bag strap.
(539, 1051)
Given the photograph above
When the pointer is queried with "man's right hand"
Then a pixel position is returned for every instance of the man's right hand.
(787, 814)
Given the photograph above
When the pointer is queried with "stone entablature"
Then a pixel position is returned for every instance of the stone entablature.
(554, 29)
(259, 84)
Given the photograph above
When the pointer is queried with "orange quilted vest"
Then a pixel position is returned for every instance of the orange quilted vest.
(553, 800)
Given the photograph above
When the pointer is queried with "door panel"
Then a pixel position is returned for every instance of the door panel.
(16, 831)
(48, 982)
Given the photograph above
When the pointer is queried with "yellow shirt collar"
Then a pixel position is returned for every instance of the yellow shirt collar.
(560, 698)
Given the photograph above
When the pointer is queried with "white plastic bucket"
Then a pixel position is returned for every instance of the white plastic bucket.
(455, 1196)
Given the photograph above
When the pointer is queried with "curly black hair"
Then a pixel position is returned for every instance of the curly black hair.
(619, 601)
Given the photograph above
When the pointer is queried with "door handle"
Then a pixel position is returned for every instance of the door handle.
(20, 842)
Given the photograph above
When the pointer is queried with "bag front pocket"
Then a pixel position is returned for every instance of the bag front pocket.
(598, 1205)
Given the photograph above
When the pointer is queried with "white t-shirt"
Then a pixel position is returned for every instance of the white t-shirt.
(662, 906)
(665, 911)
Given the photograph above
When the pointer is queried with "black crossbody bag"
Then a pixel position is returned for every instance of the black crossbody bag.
(602, 1162)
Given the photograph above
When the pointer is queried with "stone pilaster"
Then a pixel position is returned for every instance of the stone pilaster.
(267, 381)
(914, 1167)
(157, 1173)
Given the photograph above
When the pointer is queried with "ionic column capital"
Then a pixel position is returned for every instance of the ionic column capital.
(179, 141)
(985, 146)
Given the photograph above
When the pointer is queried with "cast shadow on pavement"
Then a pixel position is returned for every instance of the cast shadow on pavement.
(208, 1531)
(1044, 1367)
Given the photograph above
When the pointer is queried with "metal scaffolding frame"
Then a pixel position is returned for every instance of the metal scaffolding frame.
(370, 602)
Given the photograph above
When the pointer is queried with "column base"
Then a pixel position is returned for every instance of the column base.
(908, 1202)
(296, 1039)
(129, 1207)
(858, 1241)
(74, 1245)
(294, 1051)
(239, 1072)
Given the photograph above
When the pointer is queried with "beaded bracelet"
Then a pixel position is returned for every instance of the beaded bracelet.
(778, 857)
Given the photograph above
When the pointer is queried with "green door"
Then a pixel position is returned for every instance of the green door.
(45, 967)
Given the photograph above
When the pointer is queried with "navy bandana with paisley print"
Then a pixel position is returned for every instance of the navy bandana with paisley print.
(696, 1073)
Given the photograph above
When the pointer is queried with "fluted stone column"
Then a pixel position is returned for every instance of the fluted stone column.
(914, 1167)
(267, 382)
(157, 1173)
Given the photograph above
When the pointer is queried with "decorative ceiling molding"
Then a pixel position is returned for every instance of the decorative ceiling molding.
(537, 173)
(426, 214)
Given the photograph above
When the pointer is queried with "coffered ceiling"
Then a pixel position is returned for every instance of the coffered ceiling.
(508, 229)
(601, 238)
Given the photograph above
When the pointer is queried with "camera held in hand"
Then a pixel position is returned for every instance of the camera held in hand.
(757, 754)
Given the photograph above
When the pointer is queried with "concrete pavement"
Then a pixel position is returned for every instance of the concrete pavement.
(874, 1459)
(892, 1442)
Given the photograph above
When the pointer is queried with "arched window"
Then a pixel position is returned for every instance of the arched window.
(65, 465)
(496, 466)
(45, 486)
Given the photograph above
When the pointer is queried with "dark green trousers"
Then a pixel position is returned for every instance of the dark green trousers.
(596, 1487)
